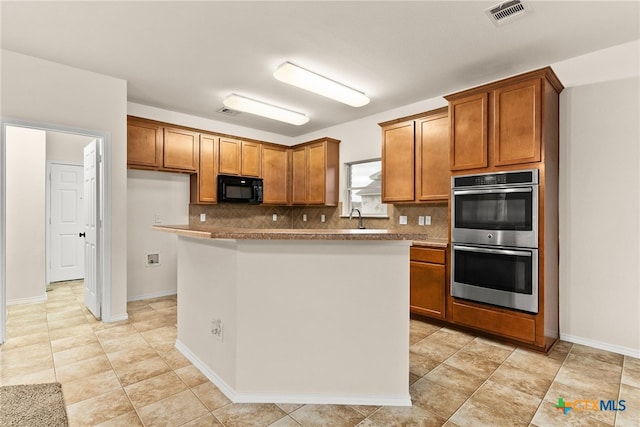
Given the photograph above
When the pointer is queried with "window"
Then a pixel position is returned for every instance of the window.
(364, 188)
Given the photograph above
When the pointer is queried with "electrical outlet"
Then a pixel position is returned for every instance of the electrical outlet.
(216, 328)
(157, 219)
(402, 220)
(275, 217)
(421, 220)
(203, 217)
(322, 218)
(427, 220)
(304, 217)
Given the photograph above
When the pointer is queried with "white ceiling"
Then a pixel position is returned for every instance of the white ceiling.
(188, 56)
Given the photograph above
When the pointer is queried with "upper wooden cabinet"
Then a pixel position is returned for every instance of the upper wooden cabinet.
(204, 184)
(180, 150)
(150, 145)
(415, 158)
(275, 175)
(144, 143)
(315, 171)
(398, 162)
(501, 123)
(240, 157)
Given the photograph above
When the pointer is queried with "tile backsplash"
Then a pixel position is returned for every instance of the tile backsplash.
(261, 216)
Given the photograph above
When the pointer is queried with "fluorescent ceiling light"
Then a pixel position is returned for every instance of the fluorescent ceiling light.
(304, 79)
(248, 105)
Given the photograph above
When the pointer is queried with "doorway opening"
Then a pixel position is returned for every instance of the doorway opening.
(24, 224)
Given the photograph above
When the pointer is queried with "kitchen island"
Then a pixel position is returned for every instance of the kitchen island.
(307, 316)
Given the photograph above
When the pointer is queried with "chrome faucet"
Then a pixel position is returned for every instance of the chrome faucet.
(360, 223)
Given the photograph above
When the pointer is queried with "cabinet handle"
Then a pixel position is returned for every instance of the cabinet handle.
(82, 235)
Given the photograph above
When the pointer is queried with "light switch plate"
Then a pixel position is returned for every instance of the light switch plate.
(275, 217)
(322, 218)
(403, 220)
(420, 220)
(203, 217)
(427, 220)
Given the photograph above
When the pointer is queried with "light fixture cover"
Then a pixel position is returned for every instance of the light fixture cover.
(248, 105)
(305, 79)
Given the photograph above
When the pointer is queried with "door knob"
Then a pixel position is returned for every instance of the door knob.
(82, 235)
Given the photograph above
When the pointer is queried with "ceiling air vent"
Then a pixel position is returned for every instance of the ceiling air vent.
(506, 12)
(228, 111)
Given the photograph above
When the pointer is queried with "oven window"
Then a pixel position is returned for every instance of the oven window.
(511, 273)
(494, 211)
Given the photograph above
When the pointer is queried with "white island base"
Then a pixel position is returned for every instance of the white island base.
(304, 321)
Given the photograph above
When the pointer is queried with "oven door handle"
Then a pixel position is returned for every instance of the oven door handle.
(493, 191)
(493, 251)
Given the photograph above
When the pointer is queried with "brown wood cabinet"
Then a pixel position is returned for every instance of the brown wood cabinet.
(305, 174)
(415, 158)
(428, 284)
(513, 124)
(275, 174)
(204, 185)
(180, 150)
(238, 157)
(501, 124)
(398, 160)
(144, 143)
(315, 172)
(151, 145)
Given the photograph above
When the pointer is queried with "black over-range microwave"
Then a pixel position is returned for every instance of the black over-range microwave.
(239, 189)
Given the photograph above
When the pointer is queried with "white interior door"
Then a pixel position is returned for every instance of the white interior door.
(66, 222)
(91, 209)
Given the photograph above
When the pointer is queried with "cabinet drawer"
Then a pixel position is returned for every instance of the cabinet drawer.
(496, 322)
(432, 255)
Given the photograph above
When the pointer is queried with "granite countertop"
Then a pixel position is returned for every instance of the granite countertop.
(297, 234)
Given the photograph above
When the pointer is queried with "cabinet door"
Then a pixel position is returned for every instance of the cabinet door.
(275, 175)
(206, 182)
(432, 150)
(427, 295)
(516, 123)
(180, 150)
(230, 156)
(251, 159)
(299, 176)
(144, 143)
(469, 120)
(316, 174)
(398, 160)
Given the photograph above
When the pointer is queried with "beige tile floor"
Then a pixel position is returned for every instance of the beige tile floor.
(129, 374)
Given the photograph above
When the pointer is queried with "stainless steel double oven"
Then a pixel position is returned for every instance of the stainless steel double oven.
(495, 239)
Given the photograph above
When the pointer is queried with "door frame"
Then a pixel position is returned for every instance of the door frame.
(104, 197)
(48, 237)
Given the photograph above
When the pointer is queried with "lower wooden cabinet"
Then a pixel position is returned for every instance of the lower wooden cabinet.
(428, 281)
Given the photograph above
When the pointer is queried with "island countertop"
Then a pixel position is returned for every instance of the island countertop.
(294, 234)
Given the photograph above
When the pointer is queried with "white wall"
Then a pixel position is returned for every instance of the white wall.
(600, 215)
(66, 147)
(25, 215)
(36, 90)
(151, 194)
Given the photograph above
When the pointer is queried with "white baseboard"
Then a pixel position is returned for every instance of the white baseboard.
(154, 295)
(317, 399)
(30, 300)
(633, 352)
(117, 318)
